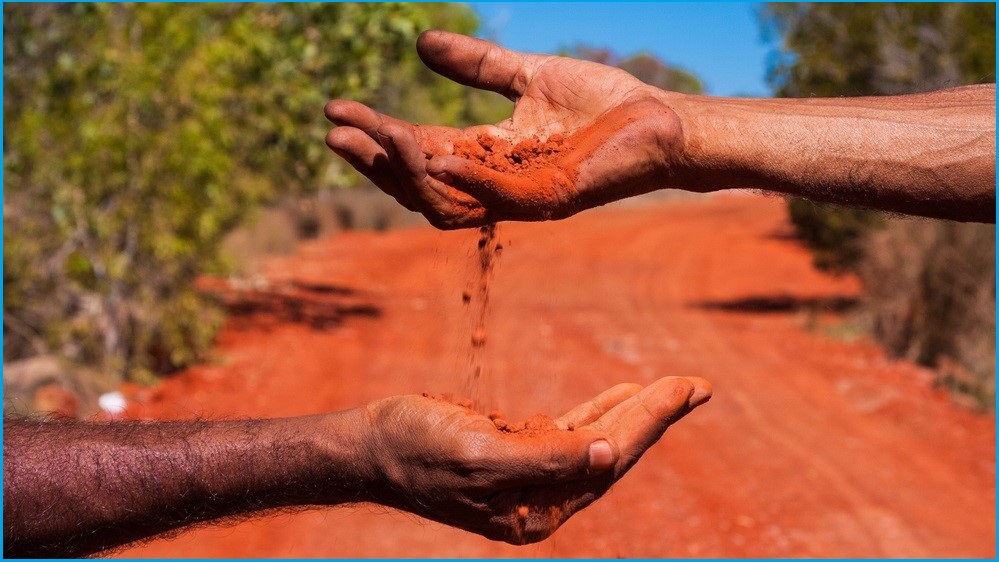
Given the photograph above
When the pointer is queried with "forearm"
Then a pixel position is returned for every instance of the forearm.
(925, 154)
(73, 488)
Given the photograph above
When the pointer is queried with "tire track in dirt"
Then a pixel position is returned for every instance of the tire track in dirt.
(692, 280)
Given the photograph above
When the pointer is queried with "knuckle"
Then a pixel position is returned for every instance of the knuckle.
(552, 467)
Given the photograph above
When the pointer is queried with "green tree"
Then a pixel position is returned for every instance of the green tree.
(877, 48)
(646, 67)
(414, 93)
(137, 135)
(930, 284)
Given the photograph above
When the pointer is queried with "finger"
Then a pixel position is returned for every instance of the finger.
(637, 423)
(544, 508)
(542, 194)
(479, 181)
(702, 391)
(369, 158)
(552, 456)
(444, 206)
(433, 139)
(591, 410)
(354, 114)
(477, 63)
(404, 152)
(409, 164)
(452, 208)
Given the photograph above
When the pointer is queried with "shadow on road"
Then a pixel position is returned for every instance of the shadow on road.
(777, 304)
(319, 306)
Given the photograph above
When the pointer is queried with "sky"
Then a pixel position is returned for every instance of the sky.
(720, 42)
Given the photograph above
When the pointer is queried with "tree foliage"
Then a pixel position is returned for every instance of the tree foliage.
(646, 67)
(876, 48)
(137, 135)
(930, 284)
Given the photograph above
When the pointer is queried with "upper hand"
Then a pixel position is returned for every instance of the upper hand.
(447, 463)
(614, 137)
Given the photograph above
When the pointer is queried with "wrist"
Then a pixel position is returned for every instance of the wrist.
(688, 161)
(346, 469)
(378, 459)
(700, 164)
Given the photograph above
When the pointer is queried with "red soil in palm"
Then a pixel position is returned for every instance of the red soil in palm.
(812, 446)
(504, 156)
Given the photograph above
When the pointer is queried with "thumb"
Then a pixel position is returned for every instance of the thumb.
(558, 456)
(602, 456)
(475, 62)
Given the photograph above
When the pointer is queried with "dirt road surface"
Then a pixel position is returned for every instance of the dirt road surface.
(814, 445)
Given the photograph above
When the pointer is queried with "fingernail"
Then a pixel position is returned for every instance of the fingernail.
(601, 456)
(701, 394)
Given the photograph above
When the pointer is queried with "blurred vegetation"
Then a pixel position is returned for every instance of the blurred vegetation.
(137, 135)
(646, 67)
(930, 285)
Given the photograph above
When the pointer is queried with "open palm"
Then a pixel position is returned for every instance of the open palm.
(613, 137)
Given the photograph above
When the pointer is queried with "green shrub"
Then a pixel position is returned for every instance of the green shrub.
(930, 297)
(136, 136)
(834, 233)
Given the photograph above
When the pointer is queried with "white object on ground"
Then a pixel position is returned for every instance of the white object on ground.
(112, 402)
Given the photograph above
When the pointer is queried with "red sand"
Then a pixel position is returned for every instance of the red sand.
(812, 446)
(503, 156)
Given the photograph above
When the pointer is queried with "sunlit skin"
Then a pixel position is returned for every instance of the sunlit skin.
(77, 488)
(929, 154)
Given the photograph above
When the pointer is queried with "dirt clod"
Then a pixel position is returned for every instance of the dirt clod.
(479, 336)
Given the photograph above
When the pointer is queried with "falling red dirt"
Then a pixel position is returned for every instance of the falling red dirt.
(814, 444)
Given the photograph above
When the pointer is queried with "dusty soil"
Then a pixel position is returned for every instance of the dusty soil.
(814, 445)
(503, 156)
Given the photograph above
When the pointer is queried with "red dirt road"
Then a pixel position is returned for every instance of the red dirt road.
(812, 446)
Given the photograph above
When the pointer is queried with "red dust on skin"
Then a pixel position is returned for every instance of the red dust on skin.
(534, 168)
(549, 509)
(536, 425)
(549, 506)
(545, 178)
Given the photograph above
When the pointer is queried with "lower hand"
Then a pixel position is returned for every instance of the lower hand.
(448, 463)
